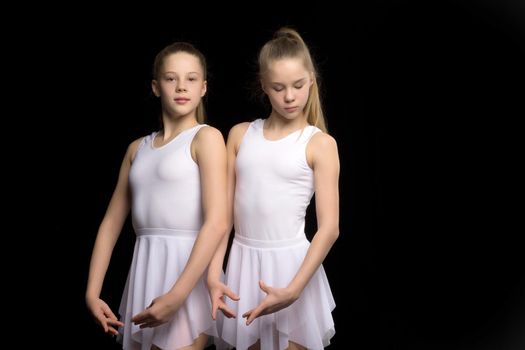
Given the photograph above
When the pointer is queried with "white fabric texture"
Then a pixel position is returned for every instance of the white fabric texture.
(274, 186)
(167, 216)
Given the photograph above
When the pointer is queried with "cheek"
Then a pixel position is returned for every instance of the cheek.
(274, 98)
(304, 94)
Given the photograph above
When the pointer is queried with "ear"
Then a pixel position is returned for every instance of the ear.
(204, 88)
(312, 78)
(155, 87)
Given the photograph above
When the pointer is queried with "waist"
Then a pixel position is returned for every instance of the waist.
(281, 243)
(166, 232)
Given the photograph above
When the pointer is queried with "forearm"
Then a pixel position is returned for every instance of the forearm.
(100, 258)
(215, 267)
(110, 228)
(202, 253)
(317, 252)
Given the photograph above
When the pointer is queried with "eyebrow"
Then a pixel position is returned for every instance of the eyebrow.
(169, 71)
(295, 82)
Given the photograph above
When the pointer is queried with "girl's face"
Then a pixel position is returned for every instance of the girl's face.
(180, 84)
(287, 84)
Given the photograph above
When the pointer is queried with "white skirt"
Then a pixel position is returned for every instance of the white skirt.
(307, 322)
(159, 258)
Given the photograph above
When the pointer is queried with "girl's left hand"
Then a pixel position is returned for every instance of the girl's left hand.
(218, 291)
(161, 310)
(275, 300)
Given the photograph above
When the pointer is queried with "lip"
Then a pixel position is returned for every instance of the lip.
(290, 109)
(181, 100)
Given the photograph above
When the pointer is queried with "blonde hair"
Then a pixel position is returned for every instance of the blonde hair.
(190, 49)
(287, 43)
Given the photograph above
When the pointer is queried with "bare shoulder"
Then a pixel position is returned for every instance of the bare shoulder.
(323, 142)
(236, 134)
(321, 148)
(208, 142)
(238, 131)
(209, 134)
(135, 144)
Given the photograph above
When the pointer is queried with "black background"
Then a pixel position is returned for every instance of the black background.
(424, 99)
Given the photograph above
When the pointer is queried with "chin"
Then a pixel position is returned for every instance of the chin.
(291, 116)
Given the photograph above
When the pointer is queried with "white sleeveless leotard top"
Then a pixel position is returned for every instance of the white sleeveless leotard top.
(165, 185)
(274, 184)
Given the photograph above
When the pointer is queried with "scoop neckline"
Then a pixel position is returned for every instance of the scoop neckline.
(172, 140)
(282, 138)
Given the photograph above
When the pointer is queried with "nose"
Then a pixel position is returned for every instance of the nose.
(289, 96)
(181, 86)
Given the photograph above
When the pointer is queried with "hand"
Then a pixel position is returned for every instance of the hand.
(161, 310)
(217, 292)
(275, 300)
(103, 315)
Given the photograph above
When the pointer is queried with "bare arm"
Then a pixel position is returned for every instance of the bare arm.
(323, 157)
(210, 155)
(108, 233)
(325, 163)
(218, 289)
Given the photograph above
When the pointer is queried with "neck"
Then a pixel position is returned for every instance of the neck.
(173, 126)
(277, 122)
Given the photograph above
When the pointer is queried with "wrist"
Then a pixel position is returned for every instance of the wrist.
(294, 291)
(90, 297)
(213, 276)
(178, 292)
(212, 281)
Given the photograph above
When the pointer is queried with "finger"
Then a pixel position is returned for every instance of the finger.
(147, 324)
(230, 294)
(214, 307)
(142, 320)
(140, 317)
(264, 287)
(150, 324)
(108, 312)
(227, 311)
(116, 323)
(112, 331)
(254, 314)
(247, 313)
(104, 325)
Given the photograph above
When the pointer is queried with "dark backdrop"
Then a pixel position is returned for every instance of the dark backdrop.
(424, 99)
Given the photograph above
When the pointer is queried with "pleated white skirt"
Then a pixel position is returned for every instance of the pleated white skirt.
(159, 258)
(308, 321)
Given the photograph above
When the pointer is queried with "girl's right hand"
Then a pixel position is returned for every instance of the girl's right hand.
(217, 292)
(104, 316)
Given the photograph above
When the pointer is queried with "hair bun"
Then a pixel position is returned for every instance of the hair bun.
(286, 33)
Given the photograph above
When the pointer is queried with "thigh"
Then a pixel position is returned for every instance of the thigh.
(295, 346)
(198, 344)
(255, 346)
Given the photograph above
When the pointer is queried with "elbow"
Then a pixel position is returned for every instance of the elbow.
(226, 229)
(336, 234)
(333, 233)
(329, 233)
(220, 228)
